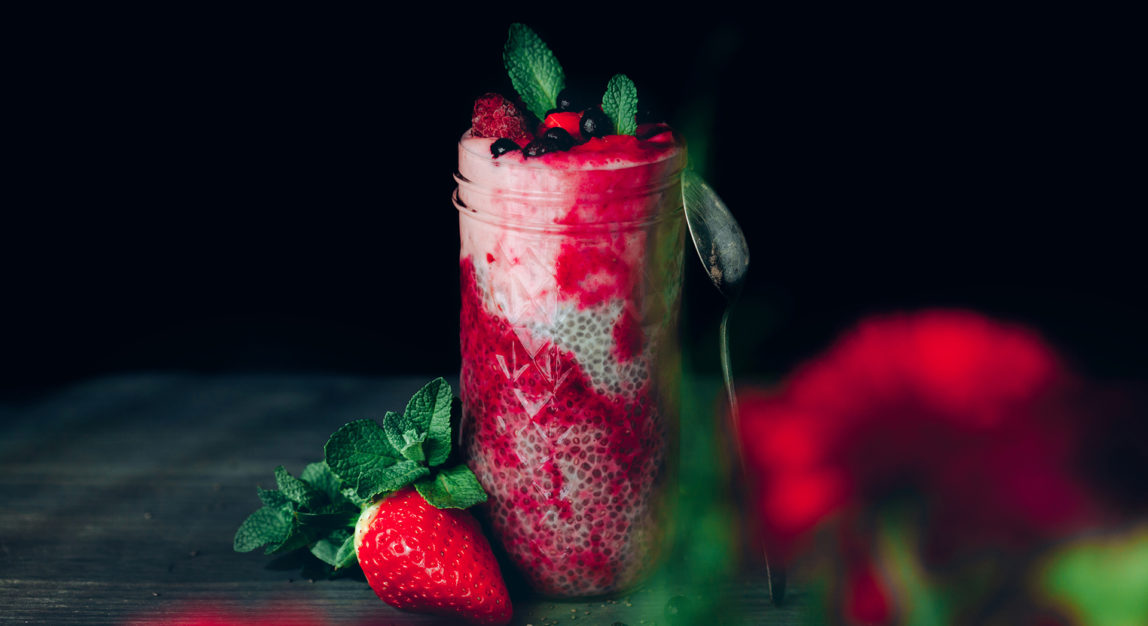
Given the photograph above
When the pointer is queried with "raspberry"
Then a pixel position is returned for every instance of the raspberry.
(495, 116)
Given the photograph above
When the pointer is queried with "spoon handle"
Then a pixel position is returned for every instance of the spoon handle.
(727, 370)
(775, 575)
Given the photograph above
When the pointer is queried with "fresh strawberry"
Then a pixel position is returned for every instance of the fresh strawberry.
(495, 116)
(413, 539)
(567, 120)
(422, 558)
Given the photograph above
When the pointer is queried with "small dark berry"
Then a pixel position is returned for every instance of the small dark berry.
(501, 147)
(566, 100)
(540, 146)
(595, 123)
(560, 137)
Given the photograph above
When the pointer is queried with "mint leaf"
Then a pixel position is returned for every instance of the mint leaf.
(353, 496)
(346, 554)
(441, 433)
(533, 69)
(267, 525)
(454, 488)
(320, 476)
(406, 435)
(390, 478)
(620, 104)
(296, 490)
(428, 411)
(362, 460)
(327, 548)
(274, 499)
(414, 449)
(357, 450)
(329, 517)
(296, 538)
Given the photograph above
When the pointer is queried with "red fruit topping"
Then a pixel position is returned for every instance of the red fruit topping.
(609, 142)
(621, 142)
(567, 121)
(645, 131)
(594, 144)
(495, 116)
(666, 137)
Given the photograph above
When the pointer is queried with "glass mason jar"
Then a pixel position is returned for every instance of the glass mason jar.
(571, 279)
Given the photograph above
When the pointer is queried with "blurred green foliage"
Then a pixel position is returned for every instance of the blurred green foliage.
(1100, 581)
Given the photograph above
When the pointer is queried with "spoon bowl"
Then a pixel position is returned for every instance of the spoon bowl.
(718, 239)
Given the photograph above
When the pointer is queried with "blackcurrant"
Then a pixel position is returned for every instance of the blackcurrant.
(560, 137)
(566, 100)
(594, 123)
(501, 147)
(540, 146)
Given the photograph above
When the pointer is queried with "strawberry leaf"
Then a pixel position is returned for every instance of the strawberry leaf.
(454, 488)
(620, 104)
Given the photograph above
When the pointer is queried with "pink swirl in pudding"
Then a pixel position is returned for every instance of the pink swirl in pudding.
(571, 271)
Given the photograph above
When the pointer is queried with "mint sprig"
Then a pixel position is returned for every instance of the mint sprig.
(454, 488)
(362, 456)
(620, 104)
(534, 71)
(364, 460)
(291, 517)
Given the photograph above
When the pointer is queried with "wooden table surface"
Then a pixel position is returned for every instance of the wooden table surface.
(119, 498)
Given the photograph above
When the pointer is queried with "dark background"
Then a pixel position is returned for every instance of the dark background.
(268, 190)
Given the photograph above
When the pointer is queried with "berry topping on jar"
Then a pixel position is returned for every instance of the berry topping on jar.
(595, 123)
(560, 137)
(501, 147)
(495, 116)
(540, 146)
(567, 120)
(567, 100)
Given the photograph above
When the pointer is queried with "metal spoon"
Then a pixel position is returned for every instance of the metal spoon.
(724, 253)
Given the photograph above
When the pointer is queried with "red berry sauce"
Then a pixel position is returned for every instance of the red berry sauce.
(574, 473)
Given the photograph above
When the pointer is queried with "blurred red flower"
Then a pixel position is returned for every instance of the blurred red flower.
(962, 414)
